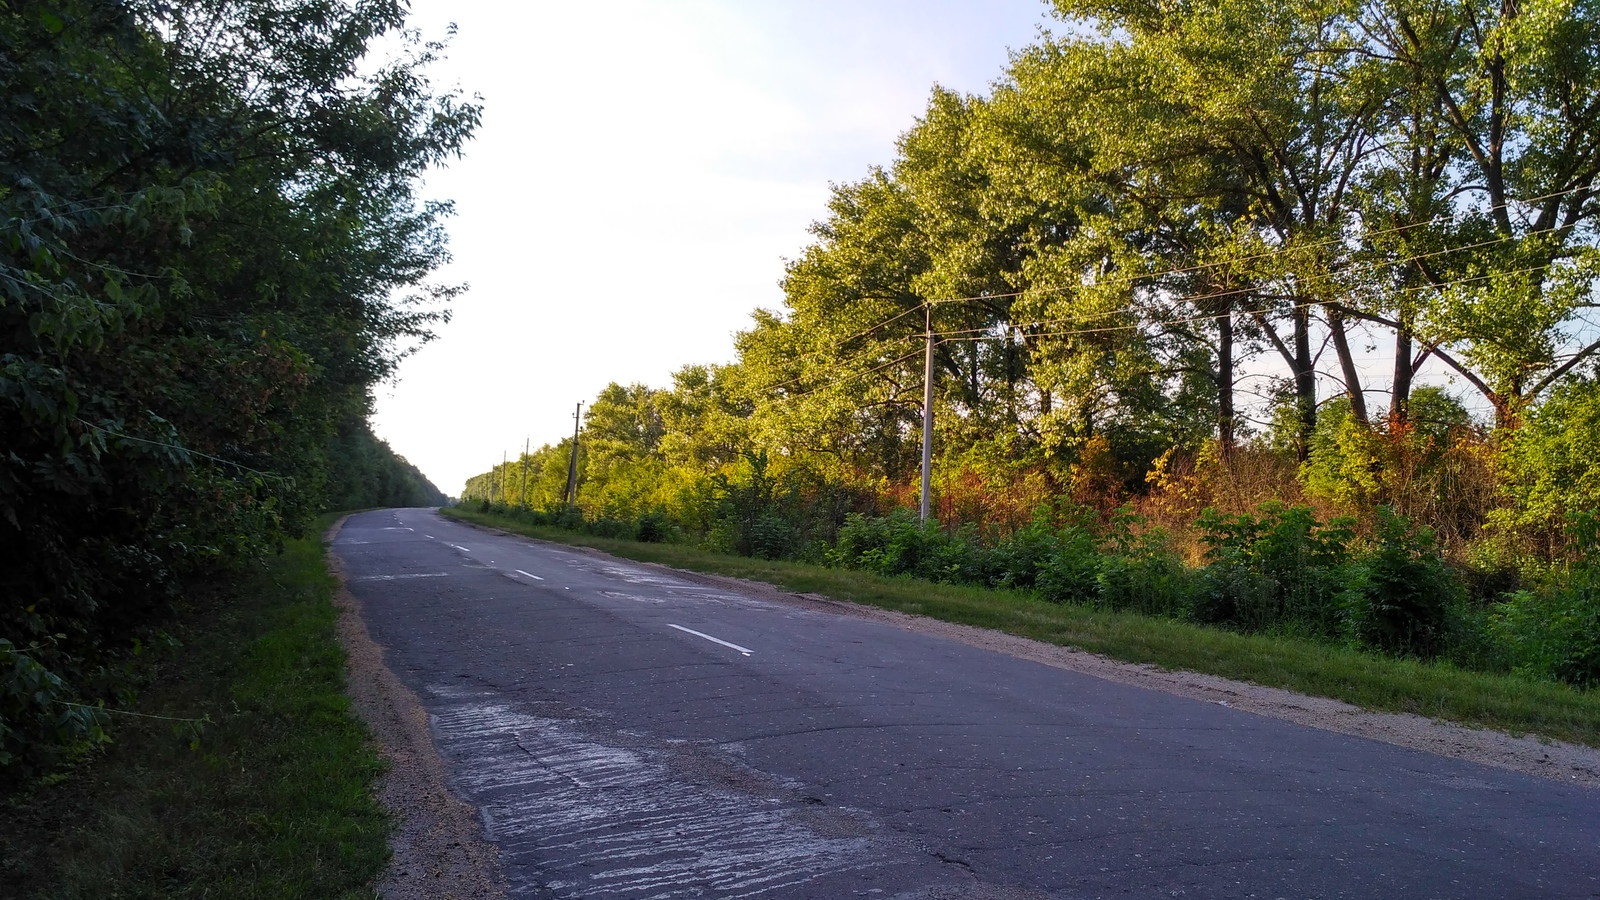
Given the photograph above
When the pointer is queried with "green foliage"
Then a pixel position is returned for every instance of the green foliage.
(1551, 466)
(1068, 572)
(1401, 591)
(898, 544)
(1280, 567)
(39, 723)
(1554, 632)
(654, 528)
(211, 251)
(1139, 573)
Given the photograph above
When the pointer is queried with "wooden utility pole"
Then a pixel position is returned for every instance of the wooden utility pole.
(502, 476)
(525, 444)
(569, 497)
(927, 419)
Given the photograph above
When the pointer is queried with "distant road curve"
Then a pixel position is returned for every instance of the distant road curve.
(628, 734)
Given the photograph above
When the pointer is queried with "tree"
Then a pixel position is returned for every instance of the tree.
(212, 251)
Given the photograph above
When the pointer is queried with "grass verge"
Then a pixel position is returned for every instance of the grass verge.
(270, 797)
(1436, 690)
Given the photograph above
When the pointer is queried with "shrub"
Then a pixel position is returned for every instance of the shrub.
(1070, 573)
(1401, 592)
(898, 544)
(1432, 466)
(1555, 632)
(39, 723)
(1229, 593)
(1282, 567)
(1152, 582)
(771, 536)
(1551, 465)
(653, 527)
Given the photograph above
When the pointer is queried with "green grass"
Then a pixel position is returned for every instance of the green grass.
(1436, 690)
(270, 798)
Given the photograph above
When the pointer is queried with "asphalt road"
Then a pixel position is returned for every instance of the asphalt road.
(628, 734)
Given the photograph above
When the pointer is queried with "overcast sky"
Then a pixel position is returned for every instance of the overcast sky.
(642, 172)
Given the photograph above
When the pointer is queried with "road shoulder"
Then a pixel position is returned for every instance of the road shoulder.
(438, 845)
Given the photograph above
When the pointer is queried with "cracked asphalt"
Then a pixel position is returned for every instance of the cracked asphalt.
(625, 733)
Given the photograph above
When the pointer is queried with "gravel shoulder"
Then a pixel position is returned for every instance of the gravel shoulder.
(1556, 760)
(439, 849)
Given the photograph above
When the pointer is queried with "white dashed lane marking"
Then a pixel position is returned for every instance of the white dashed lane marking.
(745, 650)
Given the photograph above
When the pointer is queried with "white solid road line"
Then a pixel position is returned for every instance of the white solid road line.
(394, 577)
(746, 651)
(529, 574)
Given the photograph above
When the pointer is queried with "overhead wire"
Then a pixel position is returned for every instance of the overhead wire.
(1132, 278)
(1200, 267)
(1235, 292)
(976, 334)
(943, 338)
(969, 335)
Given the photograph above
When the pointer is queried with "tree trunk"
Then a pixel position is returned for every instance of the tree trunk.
(1305, 381)
(1400, 405)
(1225, 411)
(1347, 364)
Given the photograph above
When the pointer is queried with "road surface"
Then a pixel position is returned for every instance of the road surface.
(629, 734)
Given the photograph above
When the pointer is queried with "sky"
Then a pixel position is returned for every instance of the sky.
(642, 172)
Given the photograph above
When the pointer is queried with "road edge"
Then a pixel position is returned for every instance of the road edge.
(437, 844)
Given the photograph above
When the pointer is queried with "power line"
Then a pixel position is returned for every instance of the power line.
(972, 335)
(805, 378)
(1134, 277)
(1200, 267)
(839, 382)
(1235, 292)
(852, 376)
(119, 435)
(862, 333)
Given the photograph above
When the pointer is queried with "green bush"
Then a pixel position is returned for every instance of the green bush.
(899, 544)
(1070, 573)
(1555, 632)
(40, 725)
(770, 535)
(1401, 592)
(1153, 583)
(1280, 568)
(1017, 561)
(653, 528)
(1549, 466)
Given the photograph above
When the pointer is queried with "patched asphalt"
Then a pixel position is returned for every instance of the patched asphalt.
(625, 733)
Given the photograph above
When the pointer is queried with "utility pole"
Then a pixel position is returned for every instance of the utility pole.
(569, 497)
(927, 419)
(502, 476)
(525, 443)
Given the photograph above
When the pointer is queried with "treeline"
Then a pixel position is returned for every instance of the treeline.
(365, 472)
(212, 252)
(1215, 291)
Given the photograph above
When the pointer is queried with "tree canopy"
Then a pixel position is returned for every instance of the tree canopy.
(1173, 230)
